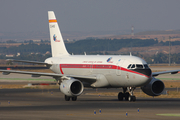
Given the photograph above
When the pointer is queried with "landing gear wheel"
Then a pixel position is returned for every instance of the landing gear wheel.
(74, 98)
(126, 96)
(129, 98)
(120, 96)
(132, 98)
(67, 98)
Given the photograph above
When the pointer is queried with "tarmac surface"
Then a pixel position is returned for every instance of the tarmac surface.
(38, 104)
(44, 104)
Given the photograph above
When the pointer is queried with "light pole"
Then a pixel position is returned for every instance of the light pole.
(169, 51)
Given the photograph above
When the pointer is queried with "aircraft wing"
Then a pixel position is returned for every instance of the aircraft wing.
(164, 72)
(26, 61)
(89, 79)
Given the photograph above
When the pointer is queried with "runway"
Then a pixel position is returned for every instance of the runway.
(38, 104)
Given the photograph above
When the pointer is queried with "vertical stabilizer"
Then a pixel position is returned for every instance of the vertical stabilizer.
(57, 44)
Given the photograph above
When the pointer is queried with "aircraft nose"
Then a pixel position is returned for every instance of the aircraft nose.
(146, 71)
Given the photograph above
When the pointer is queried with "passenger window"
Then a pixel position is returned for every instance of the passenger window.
(139, 66)
(129, 66)
(133, 66)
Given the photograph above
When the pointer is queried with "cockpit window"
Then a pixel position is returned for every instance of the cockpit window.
(146, 66)
(129, 66)
(138, 66)
(133, 66)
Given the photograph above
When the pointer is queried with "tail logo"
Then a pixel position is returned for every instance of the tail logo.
(55, 38)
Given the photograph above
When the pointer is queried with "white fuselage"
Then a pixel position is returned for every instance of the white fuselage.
(113, 67)
(110, 70)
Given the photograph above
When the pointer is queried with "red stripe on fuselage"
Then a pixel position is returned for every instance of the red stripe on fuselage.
(97, 66)
(61, 69)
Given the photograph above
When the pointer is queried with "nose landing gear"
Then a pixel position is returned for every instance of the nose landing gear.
(131, 97)
(127, 95)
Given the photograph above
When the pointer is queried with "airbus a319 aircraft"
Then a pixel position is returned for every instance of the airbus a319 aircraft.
(74, 72)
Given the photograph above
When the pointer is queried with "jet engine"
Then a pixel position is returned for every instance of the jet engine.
(71, 87)
(154, 88)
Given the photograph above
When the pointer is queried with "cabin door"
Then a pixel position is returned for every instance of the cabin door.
(119, 64)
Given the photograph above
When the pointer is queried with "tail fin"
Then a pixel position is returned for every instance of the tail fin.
(57, 43)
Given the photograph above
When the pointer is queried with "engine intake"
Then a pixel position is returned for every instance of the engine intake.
(71, 87)
(154, 88)
(76, 87)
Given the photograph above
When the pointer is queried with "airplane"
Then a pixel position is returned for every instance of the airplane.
(74, 72)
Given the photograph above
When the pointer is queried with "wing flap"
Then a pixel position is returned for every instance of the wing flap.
(6, 73)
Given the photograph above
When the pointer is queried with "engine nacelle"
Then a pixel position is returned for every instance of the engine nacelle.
(154, 88)
(72, 87)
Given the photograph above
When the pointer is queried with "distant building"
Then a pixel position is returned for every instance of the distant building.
(48, 52)
(9, 55)
(18, 54)
(36, 40)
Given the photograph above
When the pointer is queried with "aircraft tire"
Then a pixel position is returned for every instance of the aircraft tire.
(74, 98)
(132, 98)
(126, 95)
(129, 98)
(67, 98)
(120, 96)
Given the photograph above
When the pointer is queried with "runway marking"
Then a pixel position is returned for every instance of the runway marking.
(170, 114)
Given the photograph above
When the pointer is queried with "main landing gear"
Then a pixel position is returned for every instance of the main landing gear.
(67, 98)
(127, 95)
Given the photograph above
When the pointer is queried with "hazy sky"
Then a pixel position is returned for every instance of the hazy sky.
(89, 15)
